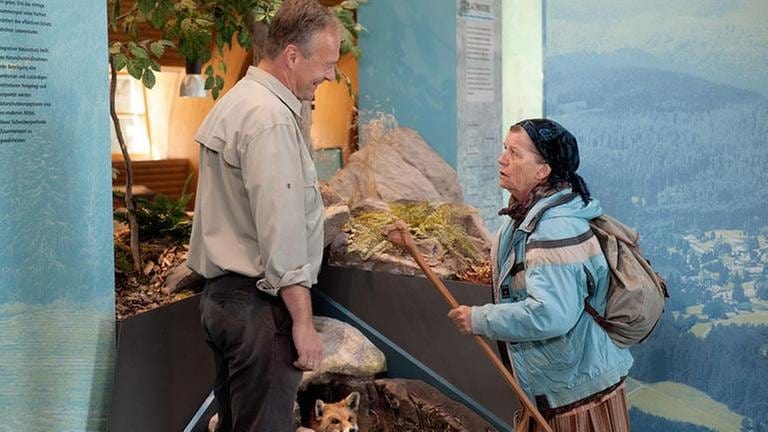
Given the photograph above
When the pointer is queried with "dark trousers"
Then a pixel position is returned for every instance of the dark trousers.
(250, 334)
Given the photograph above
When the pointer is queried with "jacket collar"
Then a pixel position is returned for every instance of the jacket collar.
(527, 226)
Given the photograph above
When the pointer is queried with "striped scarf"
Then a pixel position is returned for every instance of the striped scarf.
(517, 210)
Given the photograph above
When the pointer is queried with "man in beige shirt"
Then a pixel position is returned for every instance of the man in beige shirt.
(257, 234)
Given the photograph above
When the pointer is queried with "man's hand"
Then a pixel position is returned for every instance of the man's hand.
(462, 319)
(308, 345)
(305, 336)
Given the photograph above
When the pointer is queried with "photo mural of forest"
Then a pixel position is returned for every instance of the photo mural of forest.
(669, 102)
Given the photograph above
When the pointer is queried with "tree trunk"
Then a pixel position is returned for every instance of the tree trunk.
(132, 224)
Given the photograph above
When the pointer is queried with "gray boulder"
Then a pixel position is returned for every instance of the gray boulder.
(346, 352)
(397, 165)
(180, 278)
(329, 196)
(336, 214)
(369, 205)
(335, 218)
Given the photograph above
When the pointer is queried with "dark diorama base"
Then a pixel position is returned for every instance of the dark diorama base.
(164, 369)
(396, 405)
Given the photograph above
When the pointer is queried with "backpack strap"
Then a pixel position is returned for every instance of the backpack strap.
(537, 217)
(590, 281)
(601, 321)
(588, 307)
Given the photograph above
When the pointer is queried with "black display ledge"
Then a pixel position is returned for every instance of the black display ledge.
(164, 369)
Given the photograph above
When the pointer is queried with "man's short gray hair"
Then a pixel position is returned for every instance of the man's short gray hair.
(295, 23)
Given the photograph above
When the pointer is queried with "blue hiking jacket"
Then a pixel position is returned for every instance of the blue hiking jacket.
(540, 281)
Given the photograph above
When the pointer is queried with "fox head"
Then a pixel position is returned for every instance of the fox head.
(336, 417)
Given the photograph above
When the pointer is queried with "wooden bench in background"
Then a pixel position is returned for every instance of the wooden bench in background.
(166, 176)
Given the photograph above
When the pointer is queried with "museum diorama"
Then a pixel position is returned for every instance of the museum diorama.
(413, 136)
(394, 175)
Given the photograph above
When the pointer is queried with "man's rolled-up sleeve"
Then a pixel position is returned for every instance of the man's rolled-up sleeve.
(274, 181)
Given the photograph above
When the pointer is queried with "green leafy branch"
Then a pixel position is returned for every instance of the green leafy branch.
(191, 27)
(139, 58)
(345, 12)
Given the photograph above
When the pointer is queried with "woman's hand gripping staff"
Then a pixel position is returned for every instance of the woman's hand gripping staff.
(399, 235)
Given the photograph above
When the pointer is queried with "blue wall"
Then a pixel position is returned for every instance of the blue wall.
(669, 101)
(408, 68)
(56, 264)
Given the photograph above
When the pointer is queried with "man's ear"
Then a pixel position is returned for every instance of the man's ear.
(291, 54)
(319, 406)
(353, 400)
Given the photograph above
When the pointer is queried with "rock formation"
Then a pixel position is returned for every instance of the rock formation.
(398, 165)
(347, 353)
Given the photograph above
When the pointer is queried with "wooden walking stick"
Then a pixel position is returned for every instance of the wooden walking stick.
(399, 235)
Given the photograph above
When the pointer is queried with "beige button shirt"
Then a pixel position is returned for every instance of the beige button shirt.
(258, 210)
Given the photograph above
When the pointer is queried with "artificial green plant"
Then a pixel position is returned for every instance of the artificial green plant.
(194, 28)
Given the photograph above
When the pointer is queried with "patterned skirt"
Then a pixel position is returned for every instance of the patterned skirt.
(608, 413)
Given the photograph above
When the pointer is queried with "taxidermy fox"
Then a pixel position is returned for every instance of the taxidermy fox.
(336, 417)
(326, 417)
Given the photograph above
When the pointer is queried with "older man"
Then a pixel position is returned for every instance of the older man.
(258, 226)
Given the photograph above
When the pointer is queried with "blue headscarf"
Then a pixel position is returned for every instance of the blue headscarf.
(559, 150)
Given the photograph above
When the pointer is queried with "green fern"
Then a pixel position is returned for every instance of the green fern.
(366, 231)
(162, 216)
(425, 221)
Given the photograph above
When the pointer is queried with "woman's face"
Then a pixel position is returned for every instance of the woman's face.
(520, 166)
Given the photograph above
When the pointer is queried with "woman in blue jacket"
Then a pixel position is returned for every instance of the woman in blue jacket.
(546, 262)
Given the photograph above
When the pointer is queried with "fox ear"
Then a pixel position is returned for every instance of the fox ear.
(319, 406)
(353, 400)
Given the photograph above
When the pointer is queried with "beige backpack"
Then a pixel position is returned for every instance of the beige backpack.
(636, 293)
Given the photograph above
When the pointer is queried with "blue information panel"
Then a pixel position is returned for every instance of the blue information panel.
(56, 277)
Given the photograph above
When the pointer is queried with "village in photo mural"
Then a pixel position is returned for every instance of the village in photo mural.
(669, 101)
